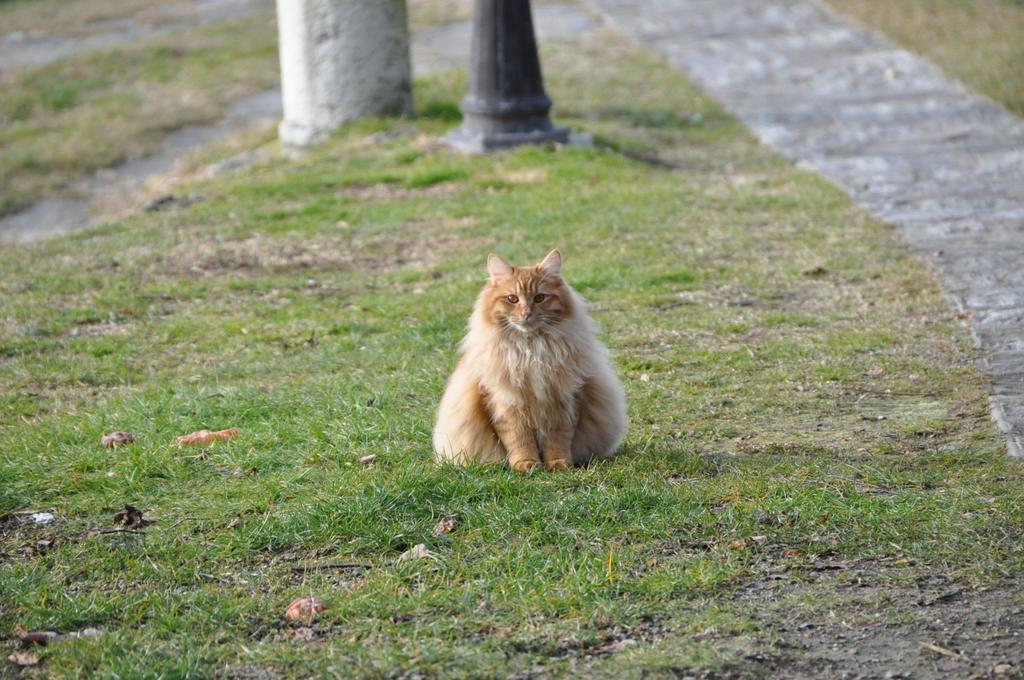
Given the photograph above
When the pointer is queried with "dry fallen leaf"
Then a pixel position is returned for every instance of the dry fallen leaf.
(876, 372)
(37, 637)
(760, 540)
(203, 437)
(304, 609)
(130, 518)
(20, 657)
(738, 544)
(366, 460)
(116, 439)
(446, 525)
(417, 552)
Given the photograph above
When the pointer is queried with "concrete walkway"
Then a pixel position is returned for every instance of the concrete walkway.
(918, 149)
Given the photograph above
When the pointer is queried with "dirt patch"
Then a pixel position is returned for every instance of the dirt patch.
(250, 672)
(397, 192)
(851, 620)
(96, 329)
(611, 641)
(27, 534)
(444, 222)
(525, 176)
(259, 253)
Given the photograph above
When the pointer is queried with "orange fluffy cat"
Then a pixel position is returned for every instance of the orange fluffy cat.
(534, 385)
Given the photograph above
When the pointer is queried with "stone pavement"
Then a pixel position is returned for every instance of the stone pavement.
(918, 149)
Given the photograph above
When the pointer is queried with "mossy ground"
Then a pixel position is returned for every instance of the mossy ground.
(800, 394)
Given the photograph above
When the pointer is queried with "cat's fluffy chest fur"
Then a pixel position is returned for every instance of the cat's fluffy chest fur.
(535, 375)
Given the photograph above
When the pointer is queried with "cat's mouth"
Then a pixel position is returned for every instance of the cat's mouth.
(527, 326)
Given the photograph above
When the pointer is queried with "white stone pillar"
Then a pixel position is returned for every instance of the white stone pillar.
(341, 60)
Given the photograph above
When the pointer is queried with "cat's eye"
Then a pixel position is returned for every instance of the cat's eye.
(539, 297)
(512, 298)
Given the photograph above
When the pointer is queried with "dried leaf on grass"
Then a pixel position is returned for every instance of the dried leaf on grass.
(130, 518)
(203, 437)
(116, 439)
(417, 552)
(446, 525)
(21, 657)
(304, 609)
(37, 637)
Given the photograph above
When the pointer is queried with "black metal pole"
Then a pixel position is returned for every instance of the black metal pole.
(506, 104)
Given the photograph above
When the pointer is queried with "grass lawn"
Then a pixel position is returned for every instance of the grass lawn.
(95, 110)
(804, 411)
(81, 17)
(981, 42)
(79, 115)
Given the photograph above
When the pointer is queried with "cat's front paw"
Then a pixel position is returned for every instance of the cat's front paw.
(556, 465)
(527, 465)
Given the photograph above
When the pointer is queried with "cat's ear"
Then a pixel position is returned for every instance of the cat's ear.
(498, 268)
(552, 264)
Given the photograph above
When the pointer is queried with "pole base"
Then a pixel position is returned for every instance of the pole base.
(300, 136)
(478, 142)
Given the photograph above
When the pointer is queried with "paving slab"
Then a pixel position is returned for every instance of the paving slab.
(920, 150)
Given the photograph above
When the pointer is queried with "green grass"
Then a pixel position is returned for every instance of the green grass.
(77, 116)
(83, 17)
(761, 323)
(978, 42)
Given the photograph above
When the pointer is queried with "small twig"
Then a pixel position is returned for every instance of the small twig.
(671, 305)
(895, 393)
(648, 157)
(121, 531)
(337, 565)
(180, 521)
(943, 651)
